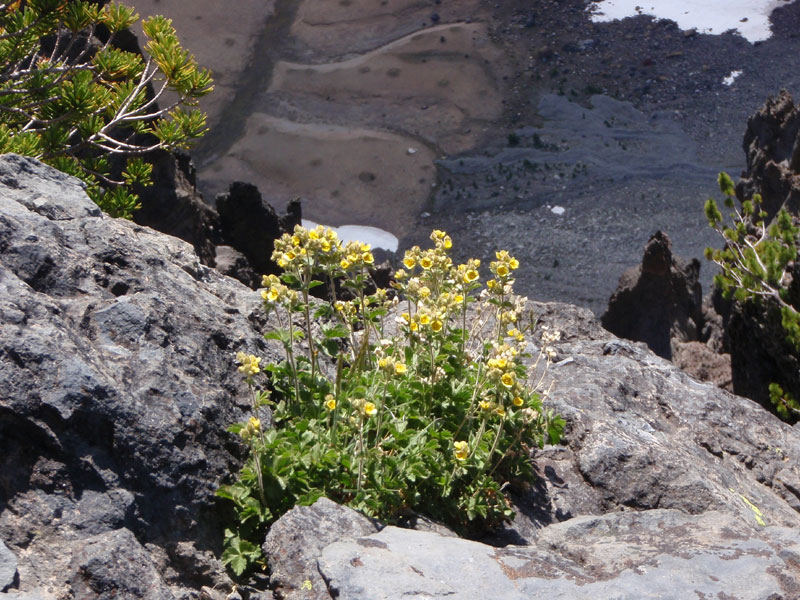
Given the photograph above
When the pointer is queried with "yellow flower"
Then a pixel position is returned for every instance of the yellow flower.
(459, 298)
(254, 425)
(491, 284)
(448, 243)
(365, 247)
(425, 262)
(461, 450)
(497, 363)
(406, 317)
(282, 263)
(383, 363)
(339, 306)
(502, 270)
(424, 319)
(518, 401)
(248, 364)
(313, 234)
(500, 411)
(436, 325)
(485, 405)
(344, 264)
(368, 258)
(330, 402)
(295, 240)
(513, 263)
(326, 246)
(370, 409)
(507, 379)
(470, 276)
(409, 262)
(400, 368)
(399, 275)
(271, 294)
(424, 291)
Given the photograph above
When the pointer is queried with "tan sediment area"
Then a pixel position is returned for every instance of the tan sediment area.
(435, 84)
(219, 34)
(345, 175)
(341, 27)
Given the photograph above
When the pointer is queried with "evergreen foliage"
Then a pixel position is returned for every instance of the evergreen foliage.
(756, 265)
(73, 99)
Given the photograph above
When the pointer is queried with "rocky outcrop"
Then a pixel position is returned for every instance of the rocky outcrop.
(772, 147)
(658, 302)
(117, 381)
(251, 226)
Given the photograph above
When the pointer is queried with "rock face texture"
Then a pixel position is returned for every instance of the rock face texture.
(117, 381)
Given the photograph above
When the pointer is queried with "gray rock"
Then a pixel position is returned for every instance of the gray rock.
(117, 382)
(664, 554)
(8, 567)
(296, 540)
(114, 565)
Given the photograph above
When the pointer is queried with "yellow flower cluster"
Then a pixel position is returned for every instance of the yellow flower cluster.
(248, 364)
(330, 402)
(319, 248)
(252, 428)
(366, 408)
(391, 366)
(275, 291)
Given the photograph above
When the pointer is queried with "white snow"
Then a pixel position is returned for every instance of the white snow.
(731, 78)
(749, 17)
(377, 238)
(558, 210)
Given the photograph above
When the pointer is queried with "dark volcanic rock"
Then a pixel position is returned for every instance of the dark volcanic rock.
(658, 302)
(772, 146)
(117, 381)
(251, 225)
(173, 205)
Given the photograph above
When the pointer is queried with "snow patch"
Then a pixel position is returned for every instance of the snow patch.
(749, 17)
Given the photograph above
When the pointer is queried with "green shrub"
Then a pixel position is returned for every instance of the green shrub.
(426, 405)
(755, 267)
(74, 101)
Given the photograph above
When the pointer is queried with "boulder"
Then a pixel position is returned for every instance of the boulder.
(117, 382)
(296, 540)
(658, 302)
(625, 556)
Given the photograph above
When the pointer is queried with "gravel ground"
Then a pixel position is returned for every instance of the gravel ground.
(642, 157)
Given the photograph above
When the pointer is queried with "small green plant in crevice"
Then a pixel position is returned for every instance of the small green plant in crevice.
(418, 402)
(755, 267)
